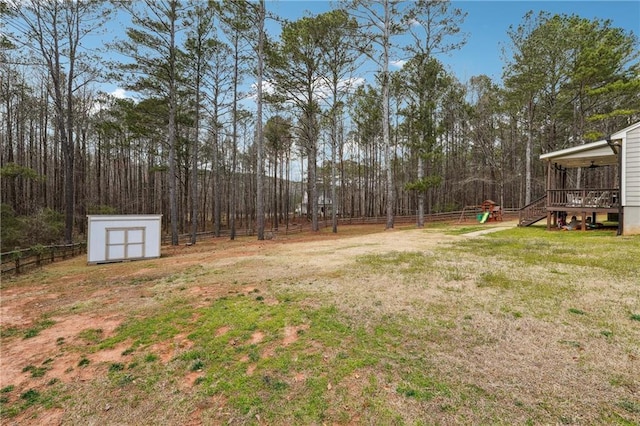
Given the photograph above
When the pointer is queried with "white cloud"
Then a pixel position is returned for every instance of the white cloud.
(321, 88)
(352, 82)
(398, 64)
(119, 93)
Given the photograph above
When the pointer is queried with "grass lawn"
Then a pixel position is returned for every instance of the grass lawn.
(430, 326)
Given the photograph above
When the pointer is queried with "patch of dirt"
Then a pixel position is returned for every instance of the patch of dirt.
(291, 334)
(250, 369)
(256, 338)
(222, 331)
(78, 297)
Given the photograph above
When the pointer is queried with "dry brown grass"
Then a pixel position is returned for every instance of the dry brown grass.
(456, 336)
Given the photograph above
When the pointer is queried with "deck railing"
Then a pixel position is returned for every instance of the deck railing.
(584, 198)
(533, 212)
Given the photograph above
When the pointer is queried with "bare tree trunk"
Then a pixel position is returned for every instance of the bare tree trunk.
(527, 156)
(421, 192)
(313, 188)
(334, 148)
(385, 114)
(233, 173)
(259, 134)
(171, 131)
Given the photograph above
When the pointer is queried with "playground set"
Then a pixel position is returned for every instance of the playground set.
(488, 211)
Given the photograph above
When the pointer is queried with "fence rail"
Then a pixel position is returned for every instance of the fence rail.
(18, 261)
(303, 226)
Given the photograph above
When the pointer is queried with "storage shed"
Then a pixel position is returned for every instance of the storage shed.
(114, 238)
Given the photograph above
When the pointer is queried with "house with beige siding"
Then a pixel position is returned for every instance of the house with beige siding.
(597, 181)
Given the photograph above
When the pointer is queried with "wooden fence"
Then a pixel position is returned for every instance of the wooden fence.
(18, 261)
(304, 226)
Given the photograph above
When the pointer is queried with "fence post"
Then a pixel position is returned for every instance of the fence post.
(17, 265)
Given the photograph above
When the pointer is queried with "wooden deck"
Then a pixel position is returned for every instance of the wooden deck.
(583, 200)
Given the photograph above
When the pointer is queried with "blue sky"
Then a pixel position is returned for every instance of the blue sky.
(486, 24)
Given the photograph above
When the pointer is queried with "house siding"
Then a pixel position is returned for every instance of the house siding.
(632, 168)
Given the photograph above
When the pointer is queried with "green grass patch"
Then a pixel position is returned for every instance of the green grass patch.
(397, 262)
(116, 366)
(150, 358)
(6, 332)
(35, 371)
(128, 351)
(174, 317)
(630, 406)
(465, 230)
(218, 355)
(32, 397)
(38, 327)
(495, 279)
(418, 385)
(616, 256)
(91, 335)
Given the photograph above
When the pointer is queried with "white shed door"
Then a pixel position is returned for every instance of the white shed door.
(125, 243)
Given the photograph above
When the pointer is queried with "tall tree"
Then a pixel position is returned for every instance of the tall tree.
(366, 113)
(524, 79)
(200, 46)
(341, 50)
(379, 21)
(296, 67)
(152, 44)
(220, 82)
(487, 144)
(278, 138)
(425, 83)
(604, 75)
(54, 32)
(571, 78)
(234, 15)
(260, 52)
(245, 26)
(435, 29)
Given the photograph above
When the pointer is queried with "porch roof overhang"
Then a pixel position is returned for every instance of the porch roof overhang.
(599, 153)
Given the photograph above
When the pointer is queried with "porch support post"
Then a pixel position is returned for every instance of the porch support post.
(547, 201)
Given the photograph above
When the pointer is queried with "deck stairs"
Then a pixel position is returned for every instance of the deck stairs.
(533, 212)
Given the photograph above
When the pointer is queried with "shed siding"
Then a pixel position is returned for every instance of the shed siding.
(632, 168)
(113, 238)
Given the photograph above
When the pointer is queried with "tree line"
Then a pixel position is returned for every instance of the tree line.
(235, 128)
